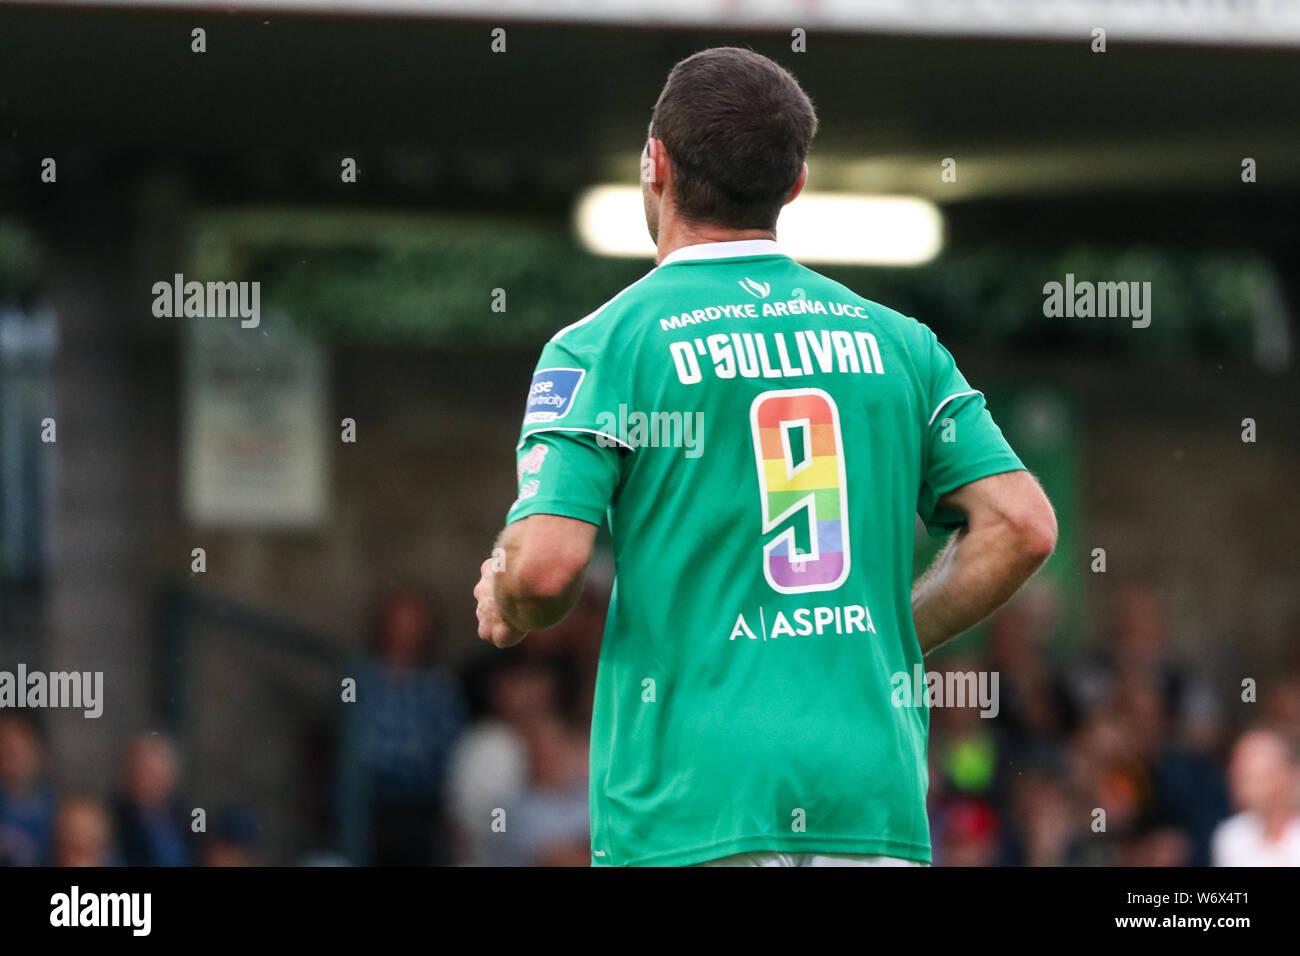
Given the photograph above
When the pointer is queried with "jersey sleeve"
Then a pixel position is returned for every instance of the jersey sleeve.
(569, 457)
(962, 442)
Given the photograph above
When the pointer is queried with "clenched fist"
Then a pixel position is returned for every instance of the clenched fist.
(491, 626)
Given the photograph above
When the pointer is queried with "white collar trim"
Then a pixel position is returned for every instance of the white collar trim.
(724, 250)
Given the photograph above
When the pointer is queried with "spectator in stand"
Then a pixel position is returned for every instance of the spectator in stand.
(549, 819)
(1139, 646)
(1159, 845)
(1036, 708)
(83, 833)
(152, 822)
(1264, 776)
(411, 716)
(490, 767)
(27, 804)
(1188, 798)
(1281, 700)
(1045, 823)
(519, 778)
(966, 834)
(234, 840)
(965, 744)
(1108, 775)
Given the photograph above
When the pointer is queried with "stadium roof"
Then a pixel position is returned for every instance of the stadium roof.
(1254, 22)
(1053, 142)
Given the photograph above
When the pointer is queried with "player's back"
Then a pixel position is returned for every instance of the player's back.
(776, 437)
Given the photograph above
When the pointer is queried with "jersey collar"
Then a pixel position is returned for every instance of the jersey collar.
(735, 249)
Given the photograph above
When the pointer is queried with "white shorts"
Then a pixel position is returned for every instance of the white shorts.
(769, 858)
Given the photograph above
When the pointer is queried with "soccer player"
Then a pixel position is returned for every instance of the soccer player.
(760, 439)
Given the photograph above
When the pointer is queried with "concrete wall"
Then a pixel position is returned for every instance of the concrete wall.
(1169, 489)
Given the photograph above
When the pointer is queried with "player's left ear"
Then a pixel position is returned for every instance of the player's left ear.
(798, 185)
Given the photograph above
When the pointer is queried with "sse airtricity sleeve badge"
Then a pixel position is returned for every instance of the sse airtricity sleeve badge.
(552, 393)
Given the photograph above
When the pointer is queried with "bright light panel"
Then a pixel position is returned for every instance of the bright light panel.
(836, 228)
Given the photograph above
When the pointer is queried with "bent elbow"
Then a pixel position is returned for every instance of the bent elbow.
(1037, 534)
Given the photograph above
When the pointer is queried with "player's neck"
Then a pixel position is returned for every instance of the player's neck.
(675, 234)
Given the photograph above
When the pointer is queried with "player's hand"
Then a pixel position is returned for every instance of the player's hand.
(491, 626)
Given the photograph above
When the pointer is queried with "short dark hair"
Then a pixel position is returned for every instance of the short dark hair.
(736, 127)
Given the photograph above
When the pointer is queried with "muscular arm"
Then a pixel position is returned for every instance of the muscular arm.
(1010, 531)
(545, 557)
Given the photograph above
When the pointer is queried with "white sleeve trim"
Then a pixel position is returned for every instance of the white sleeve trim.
(589, 431)
(973, 391)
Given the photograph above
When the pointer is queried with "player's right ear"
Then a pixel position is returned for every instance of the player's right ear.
(654, 164)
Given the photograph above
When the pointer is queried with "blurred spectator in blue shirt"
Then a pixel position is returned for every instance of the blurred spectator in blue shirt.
(153, 824)
(411, 716)
(234, 839)
(83, 833)
(26, 803)
(548, 822)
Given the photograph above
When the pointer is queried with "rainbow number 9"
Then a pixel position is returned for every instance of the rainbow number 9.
(800, 455)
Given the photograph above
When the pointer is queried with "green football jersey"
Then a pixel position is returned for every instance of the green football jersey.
(761, 440)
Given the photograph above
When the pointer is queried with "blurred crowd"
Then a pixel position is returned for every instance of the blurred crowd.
(146, 823)
(1127, 755)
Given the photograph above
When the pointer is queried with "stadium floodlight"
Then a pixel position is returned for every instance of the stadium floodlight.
(838, 228)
